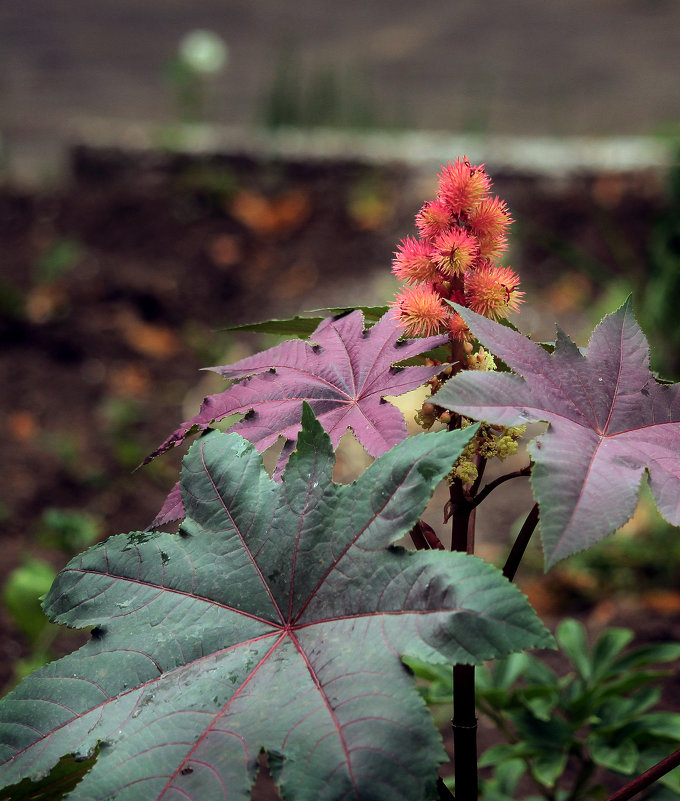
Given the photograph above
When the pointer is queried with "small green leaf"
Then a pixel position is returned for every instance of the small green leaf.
(607, 647)
(302, 327)
(543, 705)
(553, 734)
(498, 754)
(616, 712)
(549, 766)
(23, 590)
(571, 637)
(505, 672)
(538, 672)
(621, 757)
(647, 655)
(662, 724)
(371, 313)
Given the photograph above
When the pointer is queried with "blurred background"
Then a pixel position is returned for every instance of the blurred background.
(171, 168)
(587, 67)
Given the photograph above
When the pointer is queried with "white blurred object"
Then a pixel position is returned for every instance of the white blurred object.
(204, 51)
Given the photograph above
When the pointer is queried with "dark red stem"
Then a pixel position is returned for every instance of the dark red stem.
(648, 777)
(520, 545)
(525, 471)
(464, 721)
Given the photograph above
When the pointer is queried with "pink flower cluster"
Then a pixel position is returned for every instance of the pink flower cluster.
(461, 234)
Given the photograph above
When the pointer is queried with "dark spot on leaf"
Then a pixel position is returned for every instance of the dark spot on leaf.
(249, 415)
(137, 537)
(272, 369)
(98, 633)
(186, 771)
(644, 391)
(183, 532)
(395, 370)
(165, 557)
(316, 348)
(382, 400)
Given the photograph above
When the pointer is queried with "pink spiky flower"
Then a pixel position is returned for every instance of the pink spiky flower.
(420, 310)
(492, 291)
(462, 186)
(412, 261)
(490, 219)
(458, 329)
(454, 251)
(433, 219)
(461, 234)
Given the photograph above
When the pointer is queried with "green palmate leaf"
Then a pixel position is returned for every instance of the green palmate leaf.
(275, 619)
(303, 327)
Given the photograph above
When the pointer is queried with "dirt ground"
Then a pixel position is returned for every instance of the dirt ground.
(112, 289)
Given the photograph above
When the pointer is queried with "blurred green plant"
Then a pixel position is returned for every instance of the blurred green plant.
(70, 450)
(21, 594)
(69, 532)
(61, 257)
(323, 96)
(625, 564)
(659, 300)
(651, 270)
(201, 54)
(560, 730)
(12, 301)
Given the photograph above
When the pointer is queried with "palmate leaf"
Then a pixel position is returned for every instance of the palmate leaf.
(343, 375)
(275, 619)
(609, 421)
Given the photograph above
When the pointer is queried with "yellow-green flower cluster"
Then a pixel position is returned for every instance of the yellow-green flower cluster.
(490, 442)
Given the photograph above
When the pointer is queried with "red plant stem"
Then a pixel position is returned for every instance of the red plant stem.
(525, 471)
(648, 777)
(520, 544)
(464, 723)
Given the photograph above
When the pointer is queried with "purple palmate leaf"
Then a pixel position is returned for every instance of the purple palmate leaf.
(275, 619)
(343, 372)
(609, 420)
